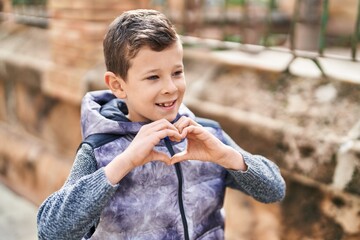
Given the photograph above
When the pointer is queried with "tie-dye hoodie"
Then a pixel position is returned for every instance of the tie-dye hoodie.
(154, 201)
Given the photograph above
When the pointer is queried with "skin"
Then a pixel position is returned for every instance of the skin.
(153, 91)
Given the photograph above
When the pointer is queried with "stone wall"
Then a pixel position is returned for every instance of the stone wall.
(42, 80)
(309, 127)
(39, 133)
(76, 32)
(287, 119)
(315, 141)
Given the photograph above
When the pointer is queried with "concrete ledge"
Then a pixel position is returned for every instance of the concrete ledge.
(266, 60)
(29, 166)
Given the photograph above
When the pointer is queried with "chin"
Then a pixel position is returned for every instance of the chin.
(171, 118)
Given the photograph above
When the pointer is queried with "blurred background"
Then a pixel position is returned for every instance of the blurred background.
(281, 76)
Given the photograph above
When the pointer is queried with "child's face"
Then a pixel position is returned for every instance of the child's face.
(155, 84)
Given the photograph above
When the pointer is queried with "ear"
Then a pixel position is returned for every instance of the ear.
(114, 83)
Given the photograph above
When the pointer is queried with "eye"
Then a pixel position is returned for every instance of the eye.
(153, 77)
(178, 73)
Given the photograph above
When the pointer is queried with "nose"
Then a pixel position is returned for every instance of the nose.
(169, 86)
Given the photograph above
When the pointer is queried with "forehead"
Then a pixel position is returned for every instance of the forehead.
(147, 58)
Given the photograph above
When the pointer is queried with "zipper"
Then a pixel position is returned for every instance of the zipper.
(180, 180)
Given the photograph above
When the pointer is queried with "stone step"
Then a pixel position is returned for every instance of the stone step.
(17, 216)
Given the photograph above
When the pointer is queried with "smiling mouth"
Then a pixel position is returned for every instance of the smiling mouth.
(166, 104)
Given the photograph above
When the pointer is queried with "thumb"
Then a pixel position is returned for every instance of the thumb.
(179, 157)
(162, 157)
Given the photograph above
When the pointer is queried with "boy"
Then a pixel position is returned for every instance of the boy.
(164, 172)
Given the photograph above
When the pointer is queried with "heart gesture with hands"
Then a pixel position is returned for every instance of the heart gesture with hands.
(201, 145)
(204, 146)
(141, 150)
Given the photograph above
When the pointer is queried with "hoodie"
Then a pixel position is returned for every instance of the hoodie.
(153, 201)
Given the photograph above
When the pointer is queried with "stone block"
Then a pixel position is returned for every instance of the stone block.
(29, 104)
(87, 14)
(22, 97)
(321, 212)
(21, 76)
(77, 31)
(2, 101)
(76, 57)
(347, 171)
(7, 6)
(30, 166)
(93, 10)
(95, 77)
(23, 72)
(99, 5)
(262, 221)
(80, 47)
(65, 84)
(52, 170)
(46, 118)
(61, 127)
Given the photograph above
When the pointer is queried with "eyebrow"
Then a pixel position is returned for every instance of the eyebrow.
(158, 69)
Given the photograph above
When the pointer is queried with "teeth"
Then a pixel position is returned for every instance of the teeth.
(166, 104)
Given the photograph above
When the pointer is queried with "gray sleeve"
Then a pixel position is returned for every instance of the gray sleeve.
(262, 180)
(72, 211)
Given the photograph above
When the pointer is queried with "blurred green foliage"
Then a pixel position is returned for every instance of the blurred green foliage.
(236, 2)
(243, 2)
(29, 2)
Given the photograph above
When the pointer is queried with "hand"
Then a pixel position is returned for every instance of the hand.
(141, 150)
(204, 146)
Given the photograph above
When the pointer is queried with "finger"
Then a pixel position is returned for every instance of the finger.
(188, 131)
(160, 156)
(147, 140)
(167, 133)
(179, 123)
(176, 139)
(179, 157)
(184, 122)
(158, 125)
(150, 130)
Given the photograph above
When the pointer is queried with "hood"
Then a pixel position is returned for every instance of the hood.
(102, 112)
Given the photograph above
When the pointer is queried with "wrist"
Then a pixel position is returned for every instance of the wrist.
(234, 160)
(118, 168)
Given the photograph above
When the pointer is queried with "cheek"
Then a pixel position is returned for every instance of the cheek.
(182, 86)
